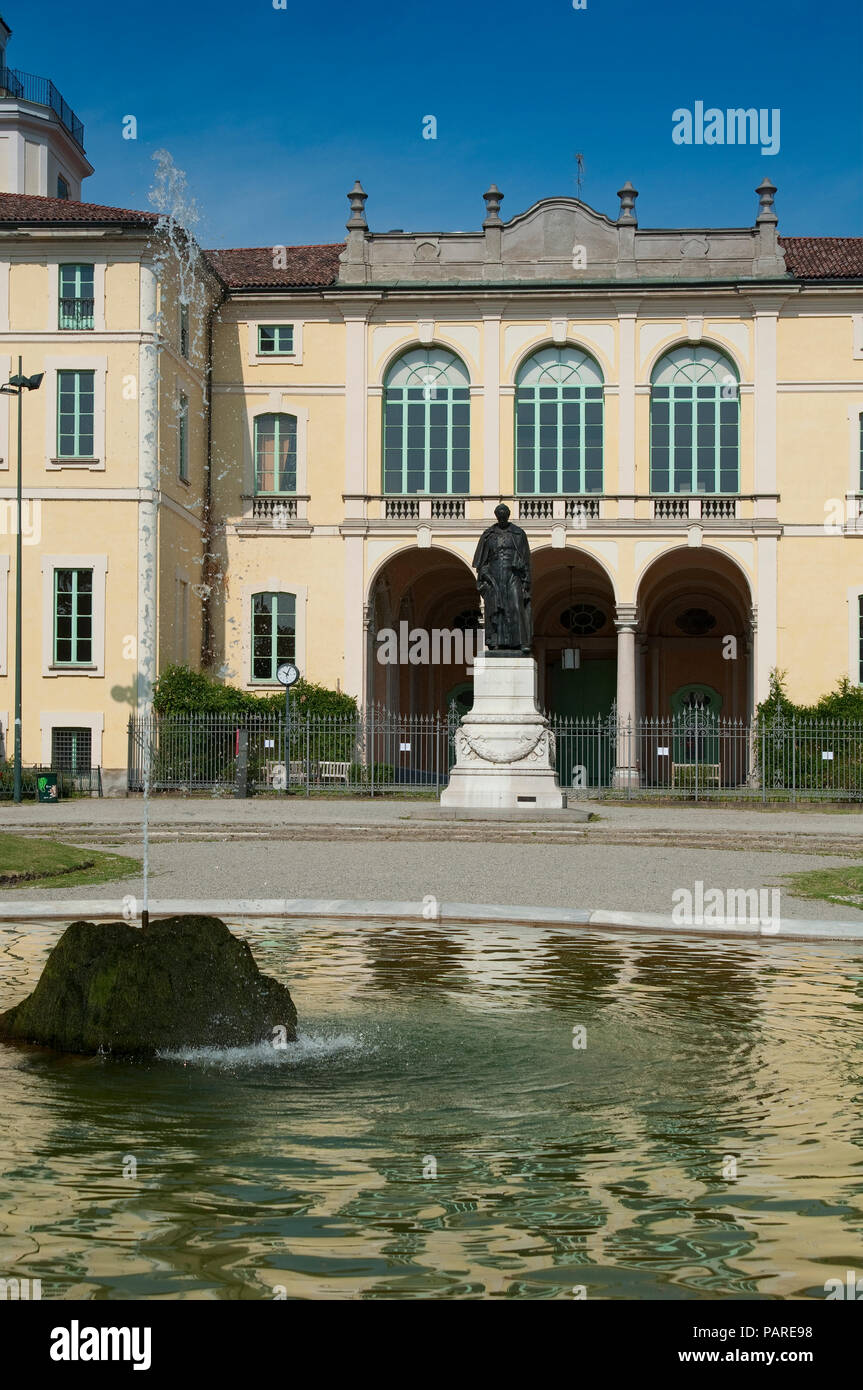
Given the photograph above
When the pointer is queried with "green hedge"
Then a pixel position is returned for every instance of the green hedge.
(180, 690)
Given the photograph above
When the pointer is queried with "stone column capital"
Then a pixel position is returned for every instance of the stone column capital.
(626, 617)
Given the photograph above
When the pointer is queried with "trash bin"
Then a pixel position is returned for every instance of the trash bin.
(46, 787)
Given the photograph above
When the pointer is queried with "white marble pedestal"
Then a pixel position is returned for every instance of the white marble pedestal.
(504, 746)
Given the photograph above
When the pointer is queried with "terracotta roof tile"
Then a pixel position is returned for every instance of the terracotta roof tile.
(26, 208)
(824, 257)
(252, 266)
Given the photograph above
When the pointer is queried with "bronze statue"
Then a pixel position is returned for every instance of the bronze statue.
(502, 564)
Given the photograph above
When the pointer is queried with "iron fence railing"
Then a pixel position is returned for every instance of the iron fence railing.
(693, 756)
(26, 86)
(696, 755)
(76, 313)
(87, 783)
(371, 752)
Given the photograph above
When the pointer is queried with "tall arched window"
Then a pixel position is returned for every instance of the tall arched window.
(275, 453)
(694, 423)
(427, 423)
(558, 423)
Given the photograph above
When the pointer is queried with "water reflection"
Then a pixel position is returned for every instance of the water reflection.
(705, 1143)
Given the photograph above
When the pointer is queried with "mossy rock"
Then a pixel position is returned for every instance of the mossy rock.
(181, 982)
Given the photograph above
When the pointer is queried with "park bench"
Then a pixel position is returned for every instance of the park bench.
(335, 772)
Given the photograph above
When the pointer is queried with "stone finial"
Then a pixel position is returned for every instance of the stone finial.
(627, 195)
(357, 199)
(493, 199)
(766, 211)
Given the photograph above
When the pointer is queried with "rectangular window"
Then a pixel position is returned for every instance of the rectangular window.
(71, 750)
(274, 633)
(860, 449)
(75, 414)
(183, 438)
(184, 330)
(62, 187)
(860, 640)
(73, 617)
(276, 340)
(76, 296)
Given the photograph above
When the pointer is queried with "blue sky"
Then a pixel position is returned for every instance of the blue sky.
(274, 113)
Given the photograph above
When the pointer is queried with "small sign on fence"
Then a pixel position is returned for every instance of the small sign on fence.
(826, 756)
(662, 752)
(269, 743)
(404, 748)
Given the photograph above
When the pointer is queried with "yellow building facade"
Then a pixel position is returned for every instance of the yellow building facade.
(242, 456)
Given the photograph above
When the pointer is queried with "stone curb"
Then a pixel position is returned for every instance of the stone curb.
(360, 909)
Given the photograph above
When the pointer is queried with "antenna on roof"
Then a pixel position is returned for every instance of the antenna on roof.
(579, 175)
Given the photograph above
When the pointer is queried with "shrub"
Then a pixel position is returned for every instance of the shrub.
(180, 690)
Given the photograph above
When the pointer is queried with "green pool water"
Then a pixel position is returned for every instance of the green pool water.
(434, 1133)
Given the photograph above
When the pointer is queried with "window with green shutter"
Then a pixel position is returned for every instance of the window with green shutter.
(275, 454)
(73, 617)
(694, 423)
(76, 394)
(274, 633)
(559, 423)
(76, 296)
(276, 339)
(427, 424)
(183, 438)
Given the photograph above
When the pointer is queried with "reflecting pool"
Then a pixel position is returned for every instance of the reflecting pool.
(468, 1113)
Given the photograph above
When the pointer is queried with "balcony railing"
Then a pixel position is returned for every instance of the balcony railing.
(688, 508)
(25, 86)
(76, 313)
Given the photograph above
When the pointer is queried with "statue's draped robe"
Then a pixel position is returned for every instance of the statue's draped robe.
(502, 563)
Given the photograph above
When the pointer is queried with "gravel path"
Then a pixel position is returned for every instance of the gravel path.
(580, 874)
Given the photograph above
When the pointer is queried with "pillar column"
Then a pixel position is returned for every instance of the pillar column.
(626, 768)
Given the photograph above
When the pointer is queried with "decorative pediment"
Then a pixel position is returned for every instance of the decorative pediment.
(560, 241)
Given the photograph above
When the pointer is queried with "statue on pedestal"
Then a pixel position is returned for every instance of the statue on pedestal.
(502, 564)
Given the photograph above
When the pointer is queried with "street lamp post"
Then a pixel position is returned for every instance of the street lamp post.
(16, 386)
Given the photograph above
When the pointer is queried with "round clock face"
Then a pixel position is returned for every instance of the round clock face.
(287, 673)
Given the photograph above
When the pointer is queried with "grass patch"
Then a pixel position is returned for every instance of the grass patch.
(843, 886)
(27, 862)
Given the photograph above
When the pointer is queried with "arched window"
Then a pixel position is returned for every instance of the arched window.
(274, 633)
(427, 423)
(275, 453)
(558, 423)
(694, 423)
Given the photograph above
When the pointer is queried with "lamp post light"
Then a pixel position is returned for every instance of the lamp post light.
(16, 386)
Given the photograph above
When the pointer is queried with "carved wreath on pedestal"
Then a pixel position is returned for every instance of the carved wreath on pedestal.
(539, 747)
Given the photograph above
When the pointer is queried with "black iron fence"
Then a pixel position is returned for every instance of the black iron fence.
(693, 756)
(697, 756)
(372, 752)
(26, 86)
(86, 783)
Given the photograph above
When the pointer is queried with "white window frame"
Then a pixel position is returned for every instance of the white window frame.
(99, 367)
(182, 587)
(99, 565)
(294, 359)
(854, 593)
(271, 585)
(855, 412)
(5, 373)
(51, 719)
(5, 563)
(84, 257)
(183, 451)
(273, 405)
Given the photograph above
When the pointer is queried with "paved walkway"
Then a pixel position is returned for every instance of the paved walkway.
(631, 859)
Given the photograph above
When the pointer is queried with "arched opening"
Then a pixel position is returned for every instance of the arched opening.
(695, 636)
(422, 591)
(575, 641)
